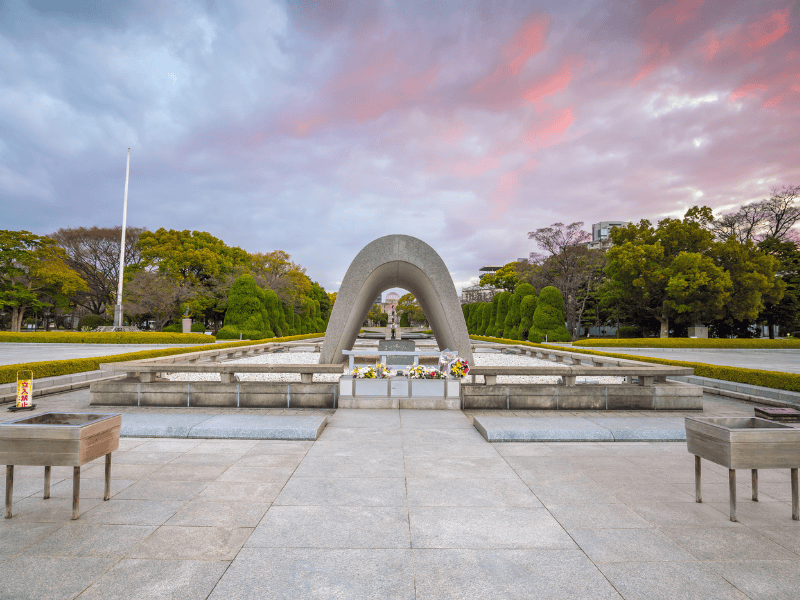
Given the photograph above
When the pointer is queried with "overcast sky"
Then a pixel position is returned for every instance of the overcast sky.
(317, 126)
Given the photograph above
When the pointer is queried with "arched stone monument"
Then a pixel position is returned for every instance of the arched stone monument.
(396, 261)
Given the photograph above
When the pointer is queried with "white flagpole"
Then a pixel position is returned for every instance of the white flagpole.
(118, 307)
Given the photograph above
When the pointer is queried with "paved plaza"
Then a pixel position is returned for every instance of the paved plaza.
(398, 504)
(12, 353)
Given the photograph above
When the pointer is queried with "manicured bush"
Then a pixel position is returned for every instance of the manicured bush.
(504, 299)
(404, 322)
(548, 319)
(526, 308)
(514, 317)
(486, 315)
(770, 379)
(247, 308)
(96, 337)
(485, 338)
(52, 368)
(174, 328)
(741, 343)
(630, 331)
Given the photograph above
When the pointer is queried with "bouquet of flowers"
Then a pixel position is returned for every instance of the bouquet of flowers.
(420, 372)
(458, 368)
(445, 358)
(379, 371)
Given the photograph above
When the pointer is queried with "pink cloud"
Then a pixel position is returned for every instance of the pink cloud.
(528, 41)
(783, 87)
(555, 82)
(473, 168)
(678, 11)
(769, 30)
(551, 131)
(749, 40)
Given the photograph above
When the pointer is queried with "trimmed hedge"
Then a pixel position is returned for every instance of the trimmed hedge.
(771, 379)
(743, 343)
(51, 368)
(95, 337)
(777, 380)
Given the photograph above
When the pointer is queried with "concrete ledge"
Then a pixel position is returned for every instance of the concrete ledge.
(659, 396)
(58, 384)
(742, 391)
(244, 394)
(580, 429)
(253, 427)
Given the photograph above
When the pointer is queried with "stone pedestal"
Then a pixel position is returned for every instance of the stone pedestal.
(698, 331)
(187, 325)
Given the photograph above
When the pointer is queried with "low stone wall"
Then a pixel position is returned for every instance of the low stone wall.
(659, 396)
(242, 394)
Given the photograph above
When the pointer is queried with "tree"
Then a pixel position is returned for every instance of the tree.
(33, 274)
(486, 315)
(247, 309)
(785, 312)
(548, 318)
(569, 266)
(506, 278)
(408, 307)
(503, 301)
(151, 294)
(774, 217)
(511, 326)
(664, 272)
(527, 309)
(93, 253)
(275, 270)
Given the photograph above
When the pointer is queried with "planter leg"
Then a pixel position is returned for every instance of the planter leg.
(46, 483)
(698, 491)
(795, 504)
(9, 489)
(755, 485)
(76, 491)
(732, 486)
(107, 493)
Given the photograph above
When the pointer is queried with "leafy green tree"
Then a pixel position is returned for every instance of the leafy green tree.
(247, 308)
(548, 318)
(150, 295)
(33, 274)
(408, 305)
(505, 278)
(664, 271)
(785, 312)
(491, 325)
(504, 299)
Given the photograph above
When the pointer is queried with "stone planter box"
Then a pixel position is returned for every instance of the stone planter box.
(428, 388)
(371, 387)
(399, 392)
(59, 439)
(744, 443)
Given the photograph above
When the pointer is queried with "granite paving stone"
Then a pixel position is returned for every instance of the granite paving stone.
(260, 427)
(369, 465)
(35, 509)
(49, 578)
(192, 543)
(198, 513)
(571, 493)
(90, 487)
(762, 579)
(132, 457)
(333, 527)
(166, 445)
(173, 425)
(728, 543)
(15, 535)
(596, 516)
(132, 512)
(236, 491)
(628, 545)
(225, 459)
(118, 471)
(486, 527)
(343, 491)
(162, 490)
(280, 447)
(180, 472)
(788, 537)
(311, 573)
(669, 581)
(682, 514)
(491, 574)
(137, 579)
(469, 492)
(250, 474)
(463, 467)
(77, 538)
(289, 461)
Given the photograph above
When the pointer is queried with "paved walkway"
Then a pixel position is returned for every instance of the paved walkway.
(788, 362)
(12, 354)
(398, 504)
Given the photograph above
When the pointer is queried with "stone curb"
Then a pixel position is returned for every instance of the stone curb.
(753, 394)
(628, 350)
(580, 429)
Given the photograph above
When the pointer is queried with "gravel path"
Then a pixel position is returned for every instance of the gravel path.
(307, 358)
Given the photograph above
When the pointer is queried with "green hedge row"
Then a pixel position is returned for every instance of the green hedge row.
(51, 368)
(91, 337)
(484, 338)
(772, 379)
(779, 344)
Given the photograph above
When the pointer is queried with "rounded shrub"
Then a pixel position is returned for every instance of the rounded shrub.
(548, 319)
(526, 309)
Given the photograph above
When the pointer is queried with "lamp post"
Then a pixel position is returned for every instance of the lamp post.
(118, 306)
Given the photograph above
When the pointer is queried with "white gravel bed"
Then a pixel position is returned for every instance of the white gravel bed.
(308, 358)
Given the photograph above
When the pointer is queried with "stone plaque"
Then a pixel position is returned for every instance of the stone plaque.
(399, 346)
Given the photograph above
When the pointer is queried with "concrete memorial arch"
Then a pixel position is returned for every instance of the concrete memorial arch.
(396, 261)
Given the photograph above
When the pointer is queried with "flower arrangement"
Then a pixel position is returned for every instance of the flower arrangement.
(458, 368)
(445, 358)
(420, 372)
(378, 371)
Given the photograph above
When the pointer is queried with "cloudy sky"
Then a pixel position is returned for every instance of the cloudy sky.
(316, 126)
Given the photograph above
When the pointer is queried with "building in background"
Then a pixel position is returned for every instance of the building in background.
(601, 239)
(389, 305)
(478, 293)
